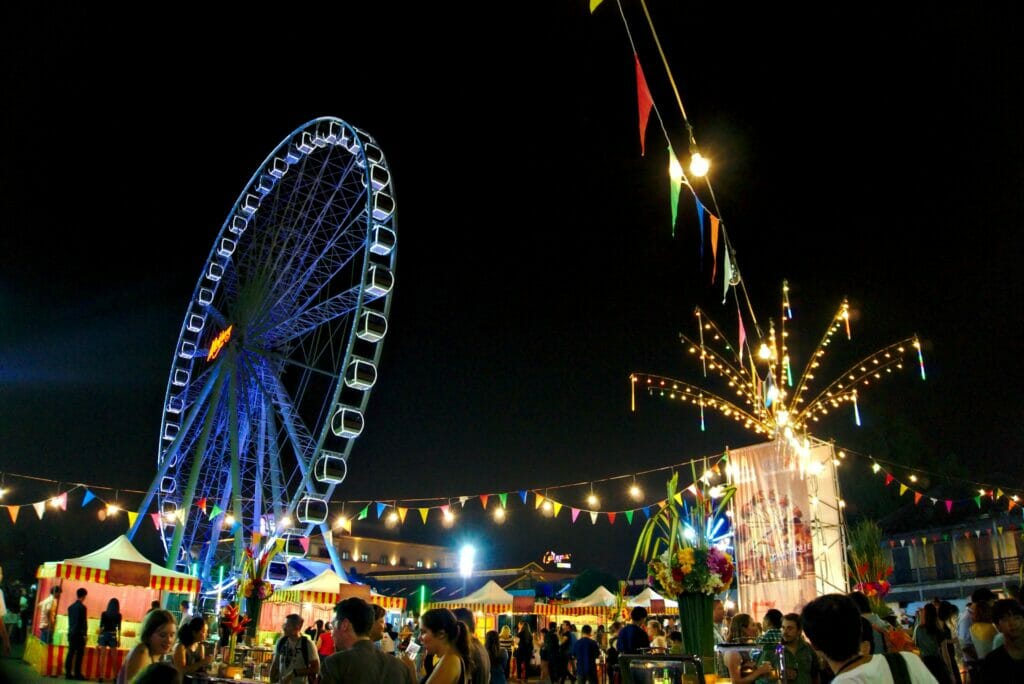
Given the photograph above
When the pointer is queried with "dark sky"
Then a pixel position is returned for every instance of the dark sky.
(856, 152)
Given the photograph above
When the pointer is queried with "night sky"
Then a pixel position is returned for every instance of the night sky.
(855, 152)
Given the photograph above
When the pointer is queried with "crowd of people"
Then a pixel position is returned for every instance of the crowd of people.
(834, 638)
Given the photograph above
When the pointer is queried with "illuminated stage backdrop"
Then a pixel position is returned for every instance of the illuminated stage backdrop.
(790, 545)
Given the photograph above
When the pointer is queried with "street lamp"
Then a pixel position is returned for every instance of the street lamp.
(466, 556)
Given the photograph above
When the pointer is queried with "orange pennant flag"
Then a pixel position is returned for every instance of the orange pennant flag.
(644, 101)
(713, 220)
(917, 497)
(483, 500)
(13, 510)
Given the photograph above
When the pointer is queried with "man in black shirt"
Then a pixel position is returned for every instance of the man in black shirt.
(1006, 663)
(78, 625)
(633, 636)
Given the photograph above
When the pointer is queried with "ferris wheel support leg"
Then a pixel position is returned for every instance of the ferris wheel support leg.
(236, 476)
(332, 551)
(173, 450)
(193, 476)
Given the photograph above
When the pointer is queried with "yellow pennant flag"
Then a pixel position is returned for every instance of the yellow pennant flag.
(679, 498)
(538, 501)
(131, 518)
(903, 489)
(557, 506)
(594, 4)
(423, 514)
(401, 513)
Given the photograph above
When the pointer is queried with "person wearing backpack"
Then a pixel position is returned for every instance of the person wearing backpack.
(295, 657)
(832, 625)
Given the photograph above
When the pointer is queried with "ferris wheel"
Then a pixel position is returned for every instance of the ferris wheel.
(278, 351)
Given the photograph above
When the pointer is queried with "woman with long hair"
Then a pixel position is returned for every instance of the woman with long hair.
(110, 636)
(155, 642)
(498, 657)
(742, 670)
(448, 639)
(928, 636)
(190, 653)
(950, 647)
(659, 644)
(507, 642)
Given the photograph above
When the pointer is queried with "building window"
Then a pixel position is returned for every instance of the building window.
(383, 559)
(401, 561)
(364, 557)
(345, 555)
(435, 565)
(419, 564)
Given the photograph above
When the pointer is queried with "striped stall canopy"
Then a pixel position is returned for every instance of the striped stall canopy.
(109, 565)
(330, 598)
(485, 608)
(180, 584)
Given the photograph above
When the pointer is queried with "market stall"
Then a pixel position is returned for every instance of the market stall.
(655, 603)
(487, 603)
(116, 570)
(314, 600)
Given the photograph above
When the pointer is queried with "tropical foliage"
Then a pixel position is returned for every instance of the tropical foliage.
(869, 567)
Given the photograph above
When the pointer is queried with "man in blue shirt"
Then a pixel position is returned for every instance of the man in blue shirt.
(586, 651)
(633, 636)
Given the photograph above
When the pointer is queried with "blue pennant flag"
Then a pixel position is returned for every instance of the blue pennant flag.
(89, 496)
(522, 495)
(380, 508)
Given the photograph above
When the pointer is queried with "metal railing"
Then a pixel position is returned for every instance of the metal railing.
(989, 567)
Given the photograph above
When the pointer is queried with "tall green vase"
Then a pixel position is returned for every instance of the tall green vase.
(696, 618)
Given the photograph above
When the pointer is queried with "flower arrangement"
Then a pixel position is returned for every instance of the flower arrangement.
(869, 566)
(254, 571)
(674, 545)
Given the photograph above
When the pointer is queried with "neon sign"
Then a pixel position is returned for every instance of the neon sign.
(219, 342)
(560, 560)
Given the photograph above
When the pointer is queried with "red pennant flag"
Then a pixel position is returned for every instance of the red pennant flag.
(611, 517)
(743, 337)
(917, 497)
(201, 504)
(483, 500)
(888, 479)
(304, 543)
(156, 520)
(644, 101)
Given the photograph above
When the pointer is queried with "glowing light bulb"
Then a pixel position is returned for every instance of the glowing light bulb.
(875, 467)
(285, 522)
(763, 352)
(592, 500)
(636, 492)
(499, 515)
(699, 164)
(341, 521)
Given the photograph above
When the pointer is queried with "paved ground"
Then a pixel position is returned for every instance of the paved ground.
(14, 670)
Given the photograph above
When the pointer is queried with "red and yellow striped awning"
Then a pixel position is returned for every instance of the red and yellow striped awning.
(486, 608)
(184, 585)
(332, 597)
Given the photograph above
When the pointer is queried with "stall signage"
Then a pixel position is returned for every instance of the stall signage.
(128, 572)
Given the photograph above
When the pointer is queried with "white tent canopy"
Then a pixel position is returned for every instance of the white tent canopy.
(95, 566)
(644, 599)
(599, 597)
(489, 593)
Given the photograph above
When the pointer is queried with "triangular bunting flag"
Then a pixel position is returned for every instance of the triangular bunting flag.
(644, 101)
(1012, 504)
(999, 493)
(594, 4)
(888, 479)
(934, 500)
(538, 501)
(522, 495)
(215, 511)
(593, 517)
(913, 541)
(201, 504)
(444, 510)
(743, 335)
(423, 514)
(503, 498)
(13, 512)
(62, 501)
(380, 508)
(40, 508)
(924, 541)
(903, 489)
(903, 542)
(700, 227)
(89, 496)
(557, 507)
(363, 513)
(629, 517)
(892, 543)
(977, 500)
(661, 504)
(483, 500)
(304, 543)
(679, 498)
(917, 497)
(713, 220)
(611, 517)
(647, 512)
(726, 274)
(463, 500)
(132, 515)
(155, 517)
(949, 506)
(237, 527)
(575, 513)
(401, 513)
(674, 187)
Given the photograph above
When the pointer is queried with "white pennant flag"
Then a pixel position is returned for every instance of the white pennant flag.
(40, 508)
(593, 517)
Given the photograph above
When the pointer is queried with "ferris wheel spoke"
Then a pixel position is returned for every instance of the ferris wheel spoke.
(303, 322)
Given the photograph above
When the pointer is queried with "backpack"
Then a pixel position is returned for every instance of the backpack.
(307, 647)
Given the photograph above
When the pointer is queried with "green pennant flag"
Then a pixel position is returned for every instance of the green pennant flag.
(215, 511)
(504, 499)
(629, 517)
(363, 513)
(977, 500)
(674, 187)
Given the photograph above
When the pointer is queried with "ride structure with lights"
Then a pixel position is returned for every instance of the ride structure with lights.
(771, 401)
(278, 352)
